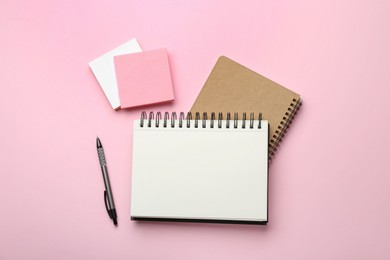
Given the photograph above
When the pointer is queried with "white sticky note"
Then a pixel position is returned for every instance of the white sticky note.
(104, 70)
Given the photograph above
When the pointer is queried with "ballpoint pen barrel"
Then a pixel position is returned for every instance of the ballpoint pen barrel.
(108, 187)
(108, 192)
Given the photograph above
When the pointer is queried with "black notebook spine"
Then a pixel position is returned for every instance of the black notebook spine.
(214, 221)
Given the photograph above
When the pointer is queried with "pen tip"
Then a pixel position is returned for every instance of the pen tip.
(98, 143)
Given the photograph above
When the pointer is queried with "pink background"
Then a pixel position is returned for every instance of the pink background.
(329, 195)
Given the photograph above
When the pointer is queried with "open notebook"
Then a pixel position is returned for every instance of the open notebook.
(200, 168)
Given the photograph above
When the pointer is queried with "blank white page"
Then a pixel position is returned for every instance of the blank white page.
(200, 173)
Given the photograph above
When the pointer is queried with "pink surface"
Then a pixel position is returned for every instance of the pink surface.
(329, 194)
(143, 78)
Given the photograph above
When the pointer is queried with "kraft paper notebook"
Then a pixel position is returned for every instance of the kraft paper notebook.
(232, 87)
(200, 168)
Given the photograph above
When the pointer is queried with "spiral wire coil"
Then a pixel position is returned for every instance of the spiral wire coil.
(283, 126)
(148, 120)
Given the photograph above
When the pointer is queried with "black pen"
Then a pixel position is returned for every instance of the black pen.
(108, 199)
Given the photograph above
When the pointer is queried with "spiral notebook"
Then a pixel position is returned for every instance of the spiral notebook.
(231, 87)
(200, 168)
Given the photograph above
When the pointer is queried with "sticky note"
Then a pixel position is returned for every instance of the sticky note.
(143, 78)
(104, 70)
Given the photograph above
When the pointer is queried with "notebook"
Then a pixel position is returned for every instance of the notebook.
(104, 71)
(144, 78)
(232, 87)
(200, 168)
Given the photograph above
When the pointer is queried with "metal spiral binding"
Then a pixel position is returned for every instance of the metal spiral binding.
(181, 118)
(158, 117)
(212, 120)
(197, 118)
(166, 118)
(204, 119)
(189, 118)
(281, 130)
(235, 120)
(149, 120)
(173, 119)
(151, 116)
(219, 120)
(243, 119)
(143, 117)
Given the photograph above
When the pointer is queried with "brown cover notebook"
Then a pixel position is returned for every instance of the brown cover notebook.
(232, 88)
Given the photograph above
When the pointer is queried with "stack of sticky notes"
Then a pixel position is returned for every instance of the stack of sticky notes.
(132, 78)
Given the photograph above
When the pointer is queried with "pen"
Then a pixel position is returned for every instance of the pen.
(108, 199)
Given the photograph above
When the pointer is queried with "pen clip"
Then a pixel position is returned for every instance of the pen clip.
(106, 203)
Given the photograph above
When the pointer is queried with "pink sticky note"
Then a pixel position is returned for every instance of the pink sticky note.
(143, 78)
